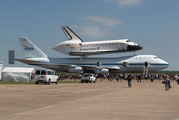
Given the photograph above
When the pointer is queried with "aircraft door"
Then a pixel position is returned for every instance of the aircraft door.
(99, 63)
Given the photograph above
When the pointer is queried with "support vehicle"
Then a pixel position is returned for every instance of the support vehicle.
(88, 77)
(177, 78)
(45, 76)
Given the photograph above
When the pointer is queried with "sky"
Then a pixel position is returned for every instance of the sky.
(154, 24)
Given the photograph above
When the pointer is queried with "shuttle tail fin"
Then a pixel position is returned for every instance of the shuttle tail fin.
(70, 34)
(30, 50)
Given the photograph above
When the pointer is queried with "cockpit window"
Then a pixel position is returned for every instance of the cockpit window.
(128, 41)
(155, 57)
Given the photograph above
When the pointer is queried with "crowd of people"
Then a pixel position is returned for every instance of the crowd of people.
(71, 77)
(119, 77)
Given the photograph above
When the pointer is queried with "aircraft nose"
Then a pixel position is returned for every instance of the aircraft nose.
(134, 48)
(166, 64)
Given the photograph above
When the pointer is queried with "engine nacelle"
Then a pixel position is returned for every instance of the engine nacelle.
(76, 70)
(102, 71)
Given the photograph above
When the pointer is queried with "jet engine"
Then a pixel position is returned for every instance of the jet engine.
(102, 71)
(76, 70)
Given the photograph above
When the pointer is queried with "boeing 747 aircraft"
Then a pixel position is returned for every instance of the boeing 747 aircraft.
(76, 47)
(34, 56)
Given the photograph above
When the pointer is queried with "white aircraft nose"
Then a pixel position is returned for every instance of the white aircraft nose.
(62, 48)
(165, 64)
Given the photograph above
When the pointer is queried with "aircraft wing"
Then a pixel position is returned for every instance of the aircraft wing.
(72, 68)
(26, 61)
(101, 69)
(114, 69)
(62, 65)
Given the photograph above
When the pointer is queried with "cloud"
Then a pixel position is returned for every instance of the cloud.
(104, 20)
(92, 28)
(127, 2)
(93, 31)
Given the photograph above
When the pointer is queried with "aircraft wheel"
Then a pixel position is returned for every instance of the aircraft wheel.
(56, 82)
(49, 82)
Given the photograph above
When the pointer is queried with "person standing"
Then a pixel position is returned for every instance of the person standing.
(152, 78)
(121, 77)
(117, 77)
(75, 77)
(108, 77)
(129, 80)
(167, 82)
(139, 78)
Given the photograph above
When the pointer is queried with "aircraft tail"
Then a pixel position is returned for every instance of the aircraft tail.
(70, 34)
(30, 50)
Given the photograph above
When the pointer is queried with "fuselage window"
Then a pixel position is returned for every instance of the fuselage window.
(128, 41)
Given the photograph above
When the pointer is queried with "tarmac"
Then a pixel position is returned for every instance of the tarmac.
(103, 100)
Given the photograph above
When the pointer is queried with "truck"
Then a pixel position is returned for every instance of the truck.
(88, 77)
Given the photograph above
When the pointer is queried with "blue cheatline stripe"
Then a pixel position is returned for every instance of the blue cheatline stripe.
(105, 64)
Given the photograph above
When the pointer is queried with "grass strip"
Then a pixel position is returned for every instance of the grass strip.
(3, 82)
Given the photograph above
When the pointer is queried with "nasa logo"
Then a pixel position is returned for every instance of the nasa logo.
(28, 48)
(24, 40)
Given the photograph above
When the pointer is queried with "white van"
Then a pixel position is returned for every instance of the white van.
(45, 76)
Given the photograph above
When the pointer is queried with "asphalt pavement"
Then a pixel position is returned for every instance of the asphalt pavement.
(103, 100)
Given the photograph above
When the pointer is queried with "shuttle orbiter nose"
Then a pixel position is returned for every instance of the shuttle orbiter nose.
(134, 47)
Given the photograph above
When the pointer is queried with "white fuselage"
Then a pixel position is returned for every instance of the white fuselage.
(78, 48)
(136, 63)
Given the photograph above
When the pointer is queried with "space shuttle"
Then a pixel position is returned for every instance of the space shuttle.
(76, 47)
